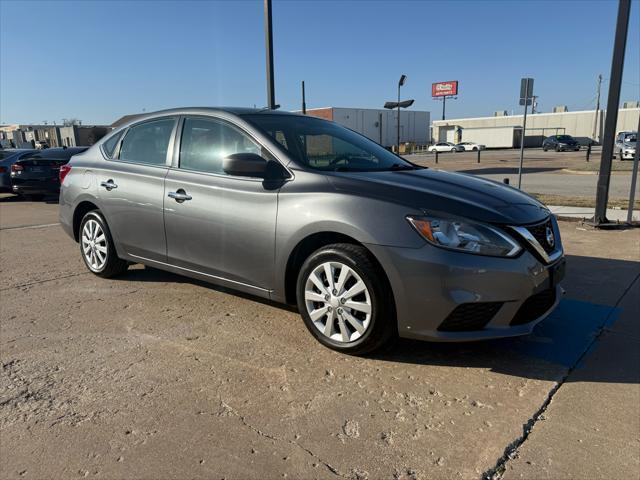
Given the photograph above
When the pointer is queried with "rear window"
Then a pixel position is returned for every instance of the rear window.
(109, 147)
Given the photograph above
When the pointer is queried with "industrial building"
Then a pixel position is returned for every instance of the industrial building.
(505, 131)
(26, 136)
(380, 125)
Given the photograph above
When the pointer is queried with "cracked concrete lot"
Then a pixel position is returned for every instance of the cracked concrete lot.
(156, 376)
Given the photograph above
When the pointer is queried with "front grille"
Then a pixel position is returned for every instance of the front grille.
(534, 307)
(468, 317)
(539, 232)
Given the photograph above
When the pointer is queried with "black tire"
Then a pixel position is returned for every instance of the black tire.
(475, 149)
(382, 327)
(544, 148)
(36, 197)
(113, 265)
(454, 150)
(557, 148)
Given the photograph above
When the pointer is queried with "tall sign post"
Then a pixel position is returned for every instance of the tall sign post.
(613, 101)
(443, 90)
(526, 98)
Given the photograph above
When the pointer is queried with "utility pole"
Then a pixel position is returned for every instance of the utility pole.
(613, 102)
(268, 32)
(595, 120)
(444, 101)
(304, 103)
(534, 104)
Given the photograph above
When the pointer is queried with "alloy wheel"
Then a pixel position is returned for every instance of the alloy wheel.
(338, 302)
(94, 245)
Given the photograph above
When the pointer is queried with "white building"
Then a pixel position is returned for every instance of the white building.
(380, 125)
(580, 125)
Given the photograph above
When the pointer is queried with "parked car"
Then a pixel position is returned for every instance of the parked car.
(560, 143)
(36, 174)
(7, 158)
(42, 144)
(472, 146)
(625, 146)
(446, 147)
(303, 211)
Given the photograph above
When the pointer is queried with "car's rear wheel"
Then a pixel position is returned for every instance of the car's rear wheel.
(475, 149)
(345, 301)
(557, 148)
(453, 150)
(96, 247)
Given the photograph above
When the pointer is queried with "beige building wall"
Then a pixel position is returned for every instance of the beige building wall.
(578, 124)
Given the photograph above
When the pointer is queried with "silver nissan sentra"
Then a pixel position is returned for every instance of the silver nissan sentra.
(303, 211)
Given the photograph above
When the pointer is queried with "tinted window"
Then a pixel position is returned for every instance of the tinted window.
(110, 145)
(148, 142)
(206, 142)
(324, 145)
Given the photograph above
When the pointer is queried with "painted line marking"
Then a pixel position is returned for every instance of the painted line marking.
(26, 227)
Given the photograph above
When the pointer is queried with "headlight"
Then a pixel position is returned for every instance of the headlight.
(465, 236)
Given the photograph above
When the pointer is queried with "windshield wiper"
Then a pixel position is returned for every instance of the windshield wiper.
(399, 166)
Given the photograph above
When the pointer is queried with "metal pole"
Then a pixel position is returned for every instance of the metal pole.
(524, 129)
(268, 32)
(634, 178)
(613, 101)
(398, 152)
(380, 127)
(595, 120)
(304, 103)
(444, 101)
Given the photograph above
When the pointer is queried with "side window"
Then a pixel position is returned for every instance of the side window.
(109, 147)
(205, 142)
(148, 142)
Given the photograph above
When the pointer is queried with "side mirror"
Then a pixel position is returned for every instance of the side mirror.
(245, 165)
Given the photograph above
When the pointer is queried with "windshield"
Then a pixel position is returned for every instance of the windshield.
(631, 138)
(327, 146)
(565, 138)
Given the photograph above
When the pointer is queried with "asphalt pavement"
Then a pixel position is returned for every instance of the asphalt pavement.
(152, 375)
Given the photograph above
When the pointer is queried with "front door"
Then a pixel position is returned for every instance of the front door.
(131, 189)
(218, 224)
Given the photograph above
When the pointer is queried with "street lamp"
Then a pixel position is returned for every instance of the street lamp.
(399, 105)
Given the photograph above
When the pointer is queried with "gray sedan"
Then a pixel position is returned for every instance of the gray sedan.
(302, 211)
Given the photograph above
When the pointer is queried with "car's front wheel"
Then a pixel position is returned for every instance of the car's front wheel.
(345, 300)
(96, 246)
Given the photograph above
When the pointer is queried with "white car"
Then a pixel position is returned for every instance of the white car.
(472, 146)
(446, 147)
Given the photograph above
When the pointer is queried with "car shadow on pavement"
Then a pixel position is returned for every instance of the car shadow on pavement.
(557, 345)
(560, 342)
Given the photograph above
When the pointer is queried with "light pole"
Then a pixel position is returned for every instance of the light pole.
(403, 78)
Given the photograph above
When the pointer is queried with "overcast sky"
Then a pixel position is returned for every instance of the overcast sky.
(99, 60)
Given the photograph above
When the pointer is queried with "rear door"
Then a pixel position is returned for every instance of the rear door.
(131, 188)
(226, 226)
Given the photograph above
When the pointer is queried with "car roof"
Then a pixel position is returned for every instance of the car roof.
(209, 110)
(52, 152)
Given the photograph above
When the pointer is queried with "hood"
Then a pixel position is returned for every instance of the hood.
(450, 193)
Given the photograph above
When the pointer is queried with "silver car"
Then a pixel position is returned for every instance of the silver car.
(303, 211)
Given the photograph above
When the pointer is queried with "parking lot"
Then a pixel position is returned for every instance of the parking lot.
(557, 174)
(157, 376)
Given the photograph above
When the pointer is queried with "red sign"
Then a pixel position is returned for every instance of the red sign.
(442, 89)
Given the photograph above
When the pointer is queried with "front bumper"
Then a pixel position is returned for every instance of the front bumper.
(569, 148)
(628, 154)
(430, 283)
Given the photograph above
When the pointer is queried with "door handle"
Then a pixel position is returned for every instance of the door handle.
(109, 185)
(180, 196)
